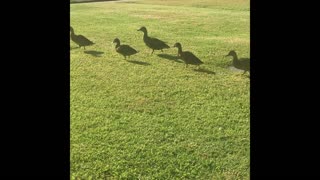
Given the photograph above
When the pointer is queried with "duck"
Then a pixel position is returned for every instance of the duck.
(187, 56)
(153, 43)
(80, 39)
(124, 50)
(242, 63)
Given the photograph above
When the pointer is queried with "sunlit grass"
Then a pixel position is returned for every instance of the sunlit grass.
(219, 4)
(150, 117)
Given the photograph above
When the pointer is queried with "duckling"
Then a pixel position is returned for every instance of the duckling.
(187, 56)
(80, 39)
(153, 43)
(242, 63)
(124, 50)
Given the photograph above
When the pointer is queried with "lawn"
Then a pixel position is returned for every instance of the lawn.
(150, 117)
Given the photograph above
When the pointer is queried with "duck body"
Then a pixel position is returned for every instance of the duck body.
(187, 56)
(242, 63)
(124, 49)
(80, 40)
(153, 43)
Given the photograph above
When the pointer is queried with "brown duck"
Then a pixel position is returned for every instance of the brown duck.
(153, 43)
(80, 39)
(242, 63)
(123, 49)
(187, 56)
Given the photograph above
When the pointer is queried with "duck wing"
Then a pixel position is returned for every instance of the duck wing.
(83, 40)
(157, 43)
(244, 64)
(190, 58)
(126, 49)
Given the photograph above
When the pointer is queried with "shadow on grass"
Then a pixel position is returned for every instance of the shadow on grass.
(232, 68)
(88, 1)
(75, 47)
(139, 62)
(169, 57)
(94, 53)
(204, 71)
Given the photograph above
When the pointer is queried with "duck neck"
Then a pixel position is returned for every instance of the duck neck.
(235, 58)
(117, 45)
(73, 36)
(180, 50)
(72, 33)
(145, 34)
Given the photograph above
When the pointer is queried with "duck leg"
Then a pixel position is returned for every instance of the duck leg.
(152, 51)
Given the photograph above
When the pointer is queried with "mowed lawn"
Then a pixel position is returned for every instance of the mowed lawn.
(150, 117)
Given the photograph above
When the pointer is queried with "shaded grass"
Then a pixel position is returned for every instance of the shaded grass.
(150, 117)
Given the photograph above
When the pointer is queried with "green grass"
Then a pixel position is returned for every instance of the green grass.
(216, 4)
(158, 119)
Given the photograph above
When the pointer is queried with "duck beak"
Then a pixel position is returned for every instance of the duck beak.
(138, 30)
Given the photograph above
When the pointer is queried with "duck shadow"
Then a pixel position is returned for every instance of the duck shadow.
(169, 57)
(139, 62)
(232, 68)
(94, 53)
(77, 47)
(204, 71)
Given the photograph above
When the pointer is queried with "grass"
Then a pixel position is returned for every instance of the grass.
(215, 4)
(150, 117)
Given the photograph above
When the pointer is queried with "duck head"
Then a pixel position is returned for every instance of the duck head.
(231, 53)
(178, 45)
(143, 29)
(116, 40)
